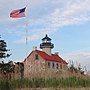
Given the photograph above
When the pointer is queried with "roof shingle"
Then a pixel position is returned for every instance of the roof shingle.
(45, 56)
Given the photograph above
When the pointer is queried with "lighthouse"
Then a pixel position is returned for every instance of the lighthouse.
(46, 45)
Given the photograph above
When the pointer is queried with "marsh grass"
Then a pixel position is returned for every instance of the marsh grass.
(45, 83)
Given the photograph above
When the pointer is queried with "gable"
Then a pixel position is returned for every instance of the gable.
(33, 56)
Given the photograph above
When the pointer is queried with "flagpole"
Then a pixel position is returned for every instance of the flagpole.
(26, 39)
(18, 13)
(26, 44)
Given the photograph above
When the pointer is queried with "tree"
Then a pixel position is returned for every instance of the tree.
(3, 49)
(5, 68)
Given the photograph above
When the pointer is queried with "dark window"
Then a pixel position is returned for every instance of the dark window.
(52, 65)
(57, 66)
(48, 64)
(36, 57)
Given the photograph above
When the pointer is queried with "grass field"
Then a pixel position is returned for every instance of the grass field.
(76, 83)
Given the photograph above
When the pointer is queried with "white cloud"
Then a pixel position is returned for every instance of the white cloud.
(72, 13)
(63, 13)
(82, 58)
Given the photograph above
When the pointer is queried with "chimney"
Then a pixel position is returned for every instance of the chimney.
(56, 53)
(34, 48)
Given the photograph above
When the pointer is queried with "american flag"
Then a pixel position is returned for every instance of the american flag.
(18, 13)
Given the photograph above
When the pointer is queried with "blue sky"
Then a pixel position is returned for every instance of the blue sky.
(65, 21)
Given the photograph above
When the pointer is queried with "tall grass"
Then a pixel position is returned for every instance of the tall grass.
(41, 82)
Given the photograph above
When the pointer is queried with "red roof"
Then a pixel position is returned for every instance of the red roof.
(45, 56)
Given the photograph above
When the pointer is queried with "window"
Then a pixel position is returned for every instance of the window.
(52, 65)
(36, 57)
(57, 66)
(48, 64)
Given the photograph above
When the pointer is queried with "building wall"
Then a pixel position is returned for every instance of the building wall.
(40, 67)
(35, 66)
(56, 65)
(55, 69)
